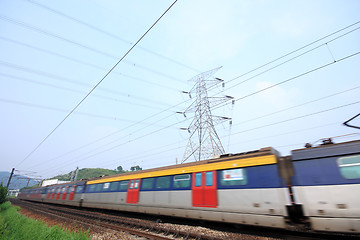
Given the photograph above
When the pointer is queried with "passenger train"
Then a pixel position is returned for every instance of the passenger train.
(317, 187)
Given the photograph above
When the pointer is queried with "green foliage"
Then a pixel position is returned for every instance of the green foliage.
(136, 168)
(87, 173)
(15, 226)
(3, 193)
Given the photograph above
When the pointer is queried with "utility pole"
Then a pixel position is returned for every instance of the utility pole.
(204, 141)
(76, 173)
(11, 174)
(72, 176)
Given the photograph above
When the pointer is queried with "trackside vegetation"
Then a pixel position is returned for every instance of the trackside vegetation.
(3, 193)
(14, 226)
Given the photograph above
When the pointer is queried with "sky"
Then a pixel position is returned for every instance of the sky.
(292, 68)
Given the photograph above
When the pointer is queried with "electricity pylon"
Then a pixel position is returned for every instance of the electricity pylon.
(204, 142)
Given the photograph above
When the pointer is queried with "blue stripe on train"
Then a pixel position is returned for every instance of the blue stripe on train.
(323, 171)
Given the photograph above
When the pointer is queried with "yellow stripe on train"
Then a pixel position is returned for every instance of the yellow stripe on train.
(244, 162)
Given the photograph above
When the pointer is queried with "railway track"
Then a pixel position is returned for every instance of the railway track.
(140, 228)
(150, 229)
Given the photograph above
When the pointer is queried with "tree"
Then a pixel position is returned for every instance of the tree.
(119, 168)
(3, 193)
(136, 168)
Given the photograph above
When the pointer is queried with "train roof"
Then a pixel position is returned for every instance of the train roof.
(80, 182)
(263, 156)
(327, 150)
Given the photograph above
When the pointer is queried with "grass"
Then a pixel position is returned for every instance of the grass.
(14, 226)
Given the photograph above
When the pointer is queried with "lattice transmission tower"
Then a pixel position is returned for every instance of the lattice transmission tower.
(204, 142)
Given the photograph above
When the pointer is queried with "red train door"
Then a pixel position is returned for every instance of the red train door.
(133, 191)
(72, 192)
(52, 193)
(204, 189)
(64, 190)
(58, 192)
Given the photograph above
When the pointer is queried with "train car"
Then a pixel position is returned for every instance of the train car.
(243, 188)
(67, 193)
(327, 184)
(34, 194)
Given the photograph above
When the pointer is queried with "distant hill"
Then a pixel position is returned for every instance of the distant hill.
(86, 173)
(17, 181)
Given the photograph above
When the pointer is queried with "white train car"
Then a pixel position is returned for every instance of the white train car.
(243, 188)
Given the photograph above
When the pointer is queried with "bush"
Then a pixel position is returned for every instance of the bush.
(3, 194)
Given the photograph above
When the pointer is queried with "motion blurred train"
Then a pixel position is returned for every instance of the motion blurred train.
(315, 187)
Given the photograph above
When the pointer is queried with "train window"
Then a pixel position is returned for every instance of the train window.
(92, 188)
(106, 187)
(147, 183)
(99, 187)
(114, 186)
(163, 182)
(181, 181)
(350, 166)
(79, 189)
(198, 177)
(209, 178)
(124, 185)
(232, 177)
(134, 184)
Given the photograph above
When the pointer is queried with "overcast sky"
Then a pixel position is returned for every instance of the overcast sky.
(52, 53)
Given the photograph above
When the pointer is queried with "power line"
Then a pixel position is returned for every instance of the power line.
(78, 44)
(293, 78)
(68, 115)
(100, 30)
(296, 50)
(299, 105)
(113, 118)
(83, 92)
(293, 58)
(83, 62)
(295, 118)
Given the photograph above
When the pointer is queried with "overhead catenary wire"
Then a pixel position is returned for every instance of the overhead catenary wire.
(121, 59)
